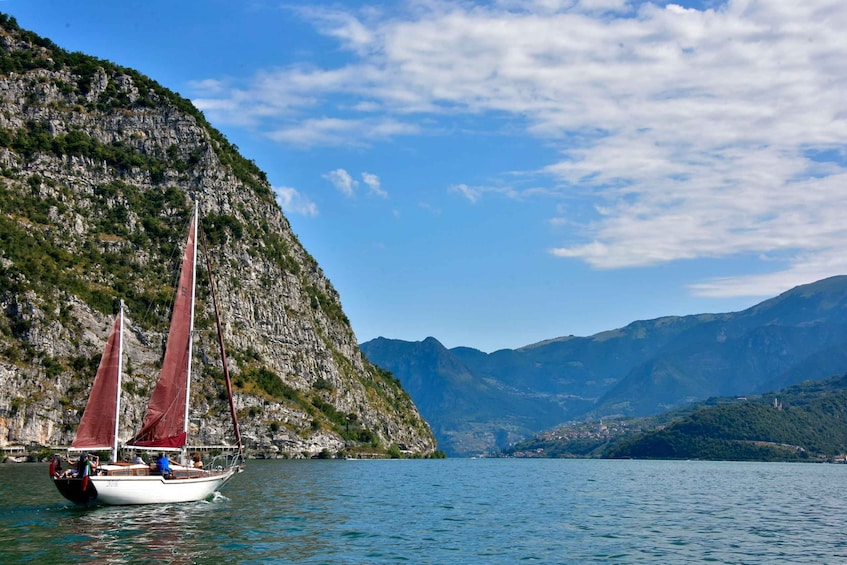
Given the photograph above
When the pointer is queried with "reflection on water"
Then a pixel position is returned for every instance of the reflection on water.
(453, 511)
(59, 531)
(163, 533)
(276, 511)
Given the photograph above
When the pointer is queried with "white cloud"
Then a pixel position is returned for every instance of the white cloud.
(209, 86)
(336, 131)
(347, 185)
(342, 180)
(805, 269)
(344, 27)
(293, 202)
(372, 181)
(690, 131)
(469, 192)
(475, 193)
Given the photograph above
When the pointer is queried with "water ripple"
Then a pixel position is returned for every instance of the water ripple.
(454, 511)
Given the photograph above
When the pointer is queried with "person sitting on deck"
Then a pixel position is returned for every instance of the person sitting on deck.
(163, 464)
(71, 471)
(87, 465)
(198, 461)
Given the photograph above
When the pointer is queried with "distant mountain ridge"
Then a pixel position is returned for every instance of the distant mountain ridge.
(477, 401)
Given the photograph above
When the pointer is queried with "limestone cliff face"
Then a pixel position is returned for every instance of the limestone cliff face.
(99, 167)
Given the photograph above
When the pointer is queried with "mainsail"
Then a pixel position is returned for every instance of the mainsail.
(97, 429)
(164, 424)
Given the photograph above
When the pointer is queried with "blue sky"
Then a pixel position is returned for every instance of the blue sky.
(498, 173)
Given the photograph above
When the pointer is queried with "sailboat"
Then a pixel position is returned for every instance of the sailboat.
(164, 429)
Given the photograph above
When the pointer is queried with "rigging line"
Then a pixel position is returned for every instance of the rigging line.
(224, 363)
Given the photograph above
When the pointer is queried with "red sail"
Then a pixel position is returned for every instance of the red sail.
(164, 424)
(97, 428)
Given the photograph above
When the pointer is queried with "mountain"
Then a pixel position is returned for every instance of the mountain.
(644, 368)
(99, 166)
(796, 336)
(468, 413)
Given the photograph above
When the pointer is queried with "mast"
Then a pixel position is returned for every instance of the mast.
(118, 392)
(190, 330)
(227, 378)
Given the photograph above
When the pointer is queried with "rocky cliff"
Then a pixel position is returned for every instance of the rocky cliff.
(99, 167)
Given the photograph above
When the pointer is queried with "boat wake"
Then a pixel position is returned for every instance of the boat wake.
(217, 497)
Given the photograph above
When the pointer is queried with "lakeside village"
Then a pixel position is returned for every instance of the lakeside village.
(595, 432)
(601, 432)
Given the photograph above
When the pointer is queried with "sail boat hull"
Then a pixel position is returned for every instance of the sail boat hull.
(155, 489)
(78, 491)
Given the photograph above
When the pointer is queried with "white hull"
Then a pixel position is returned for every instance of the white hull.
(155, 489)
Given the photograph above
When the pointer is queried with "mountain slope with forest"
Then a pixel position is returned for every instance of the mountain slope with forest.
(804, 422)
(99, 166)
(801, 422)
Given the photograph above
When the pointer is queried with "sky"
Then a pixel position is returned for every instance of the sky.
(494, 174)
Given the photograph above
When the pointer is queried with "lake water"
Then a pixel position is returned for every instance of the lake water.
(451, 511)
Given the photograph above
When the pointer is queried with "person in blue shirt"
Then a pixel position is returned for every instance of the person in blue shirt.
(163, 464)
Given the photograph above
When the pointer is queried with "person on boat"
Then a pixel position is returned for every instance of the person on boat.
(58, 472)
(138, 460)
(82, 465)
(163, 464)
(198, 462)
(68, 473)
(87, 465)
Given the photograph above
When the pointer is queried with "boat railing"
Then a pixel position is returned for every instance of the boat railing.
(224, 461)
(177, 472)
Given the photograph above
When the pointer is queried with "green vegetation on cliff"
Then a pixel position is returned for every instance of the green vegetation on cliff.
(85, 68)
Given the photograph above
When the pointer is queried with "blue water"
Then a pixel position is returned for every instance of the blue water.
(451, 511)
